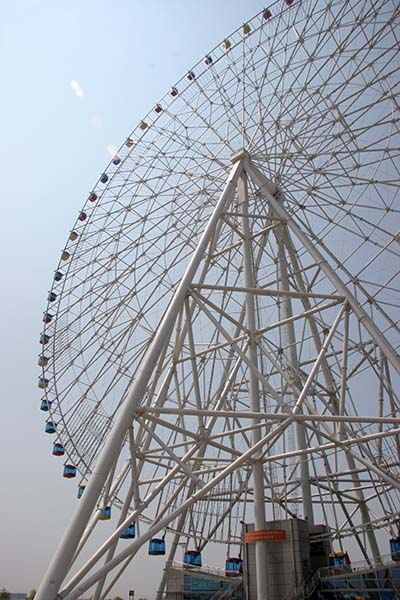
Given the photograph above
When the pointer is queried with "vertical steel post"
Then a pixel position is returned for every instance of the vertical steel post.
(290, 335)
(258, 469)
(261, 181)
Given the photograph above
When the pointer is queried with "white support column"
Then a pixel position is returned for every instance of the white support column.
(60, 564)
(330, 387)
(289, 334)
(307, 306)
(258, 468)
(260, 180)
(343, 369)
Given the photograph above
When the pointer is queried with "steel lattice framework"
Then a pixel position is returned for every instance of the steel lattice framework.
(222, 344)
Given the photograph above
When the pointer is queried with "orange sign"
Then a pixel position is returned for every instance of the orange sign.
(265, 535)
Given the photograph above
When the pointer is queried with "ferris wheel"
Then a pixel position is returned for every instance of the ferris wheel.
(221, 339)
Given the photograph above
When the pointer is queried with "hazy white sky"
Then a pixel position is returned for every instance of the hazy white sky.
(76, 77)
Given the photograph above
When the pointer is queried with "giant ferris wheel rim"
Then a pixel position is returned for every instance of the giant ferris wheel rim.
(224, 322)
(111, 194)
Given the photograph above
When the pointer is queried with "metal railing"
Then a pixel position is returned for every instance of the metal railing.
(385, 561)
(206, 569)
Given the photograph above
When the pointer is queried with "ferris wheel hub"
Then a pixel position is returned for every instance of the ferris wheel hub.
(236, 156)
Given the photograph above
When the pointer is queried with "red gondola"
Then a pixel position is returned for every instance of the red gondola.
(69, 471)
(192, 558)
(58, 449)
(233, 567)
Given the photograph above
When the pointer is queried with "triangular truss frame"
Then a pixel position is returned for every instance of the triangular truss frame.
(189, 295)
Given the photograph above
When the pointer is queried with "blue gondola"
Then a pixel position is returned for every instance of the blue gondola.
(339, 562)
(43, 361)
(105, 514)
(58, 449)
(116, 160)
(45, 405)
(157, 547)
(58, 276)
(51, 297)
(129, 533)
(233, 567)
(208, 60)
(50, 427)
(81, 489)
(192, 558)
(395, 549)
(69, 471)
(104, 178)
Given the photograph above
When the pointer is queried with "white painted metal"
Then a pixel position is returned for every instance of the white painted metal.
(363, 317)
(361, 314)
(288, 332)
(63, 556)
(252, 326)
(285, 320)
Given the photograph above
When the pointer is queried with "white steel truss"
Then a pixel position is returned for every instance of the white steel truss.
(266, 390)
